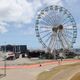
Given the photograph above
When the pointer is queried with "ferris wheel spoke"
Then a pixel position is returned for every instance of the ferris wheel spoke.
(53, 22)
(59, 36)
(58, 44)
(45, 27)
(66, 22)
(68, 39)
(50, 41)
(67, 25)
(67, 36)
(53, 19)
(53, 41)
(68, 17)
(69, 32)
(46, 35)
(70, 36)
(65, 39)
(47, 22)
(48, 38)
(43, 22)
(44, 31)
(65, 19)
(49, 19)
(70, 29)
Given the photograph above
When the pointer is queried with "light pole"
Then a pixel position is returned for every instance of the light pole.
(5, 65)
(5, 61)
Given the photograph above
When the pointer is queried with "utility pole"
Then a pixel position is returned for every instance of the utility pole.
(5, 60)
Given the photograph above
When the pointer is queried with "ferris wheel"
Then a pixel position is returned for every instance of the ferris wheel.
(55, 28)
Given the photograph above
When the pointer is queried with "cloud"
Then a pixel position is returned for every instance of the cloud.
(3, 29)
(29, 31)
(19, 12)
(16, 10)
(52, 2)
(22, 12)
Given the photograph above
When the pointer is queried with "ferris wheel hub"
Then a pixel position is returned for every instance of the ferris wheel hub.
(58, 28)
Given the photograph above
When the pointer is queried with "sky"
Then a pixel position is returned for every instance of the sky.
(17, 20)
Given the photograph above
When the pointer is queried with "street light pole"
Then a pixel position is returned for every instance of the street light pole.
(5, 62)
(5, 65)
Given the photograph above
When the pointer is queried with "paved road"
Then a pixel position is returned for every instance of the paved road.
(30, 72)
(26, 73)
(43, 64)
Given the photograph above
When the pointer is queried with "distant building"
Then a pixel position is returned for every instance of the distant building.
(16, 49)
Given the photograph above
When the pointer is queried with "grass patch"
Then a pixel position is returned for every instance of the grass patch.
(48, 75)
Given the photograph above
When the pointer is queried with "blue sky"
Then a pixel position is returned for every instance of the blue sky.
(17, 20)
